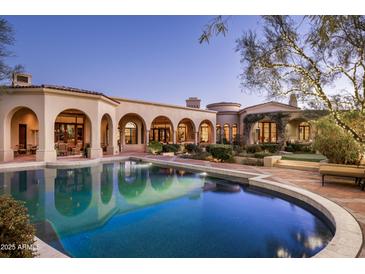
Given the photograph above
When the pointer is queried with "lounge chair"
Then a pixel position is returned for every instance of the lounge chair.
(358, 173)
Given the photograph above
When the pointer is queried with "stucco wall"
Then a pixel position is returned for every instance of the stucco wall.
(48, 103)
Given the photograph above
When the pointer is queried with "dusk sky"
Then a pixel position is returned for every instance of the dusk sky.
(153, 58)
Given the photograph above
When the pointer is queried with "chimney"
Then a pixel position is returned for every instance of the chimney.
(293, 100)
(21, 80)
(193, 102)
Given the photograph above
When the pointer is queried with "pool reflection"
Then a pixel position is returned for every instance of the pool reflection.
(73, 191)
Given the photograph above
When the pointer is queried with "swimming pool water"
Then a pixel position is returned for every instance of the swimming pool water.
(129, 209)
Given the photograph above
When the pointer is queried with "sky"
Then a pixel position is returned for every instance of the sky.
(152, 58)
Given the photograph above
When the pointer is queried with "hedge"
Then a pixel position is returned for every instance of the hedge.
(155, 147)
(171, 148)
(272, 148)
(220, 152)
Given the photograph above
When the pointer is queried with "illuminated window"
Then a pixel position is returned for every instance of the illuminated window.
(130, 133)
(204, 133)
(234, 132)
(218, 133)
(304, 131)
(267, 133)
(226, 132)
(182, 133)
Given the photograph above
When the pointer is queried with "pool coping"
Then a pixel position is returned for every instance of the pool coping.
(346, 243)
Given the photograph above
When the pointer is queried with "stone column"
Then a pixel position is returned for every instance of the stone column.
(147, 137)
(95, 150)
(46, 147)
(174, 133)
(196, 137)
(6, 153)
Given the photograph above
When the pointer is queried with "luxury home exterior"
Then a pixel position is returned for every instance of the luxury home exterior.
(51, 121)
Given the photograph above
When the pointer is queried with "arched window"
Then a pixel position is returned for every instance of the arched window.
(130, 133)
(204, 133)
(219, 133)
(182, 133)
(304, 131)
(234, 132)
(226, 133)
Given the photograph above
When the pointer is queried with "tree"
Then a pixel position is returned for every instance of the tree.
(6, 40)
(307, 56)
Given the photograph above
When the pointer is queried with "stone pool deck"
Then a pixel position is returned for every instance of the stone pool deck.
(341, 191)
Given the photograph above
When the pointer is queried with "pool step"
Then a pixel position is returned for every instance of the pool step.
(299, 165)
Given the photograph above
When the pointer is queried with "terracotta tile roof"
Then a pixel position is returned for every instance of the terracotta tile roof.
(70, 89)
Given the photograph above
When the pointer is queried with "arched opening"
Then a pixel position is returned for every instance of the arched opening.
(72, 133)
(106, 134)
(132, 133)
(162, 130)
(298, 130)
(226, 133)
(24, 132)
(218, 133)
(206, 132)
(185, 131)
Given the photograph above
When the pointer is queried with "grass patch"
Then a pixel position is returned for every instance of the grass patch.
(307, 157)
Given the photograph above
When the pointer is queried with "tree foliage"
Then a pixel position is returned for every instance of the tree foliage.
(6, 40)
(308, 56)
(336, 144)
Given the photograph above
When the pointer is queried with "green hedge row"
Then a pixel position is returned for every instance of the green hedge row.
(272, 148)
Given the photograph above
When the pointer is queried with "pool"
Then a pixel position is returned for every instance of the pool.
(136, 209)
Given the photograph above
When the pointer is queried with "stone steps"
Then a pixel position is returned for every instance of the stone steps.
(299, 165)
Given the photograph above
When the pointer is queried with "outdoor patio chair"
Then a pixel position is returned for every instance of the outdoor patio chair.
(77, 149)
(62, 149)
(22, 149)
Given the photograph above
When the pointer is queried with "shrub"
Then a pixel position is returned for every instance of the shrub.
(221, 152)
(192, 148)
(296, 147)
(237, 149)
(336, 144)
(261, 155)
(16, 232)
(289, 148)
(154, 147)
(253, 148)
(171, 148)
(272, 148)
